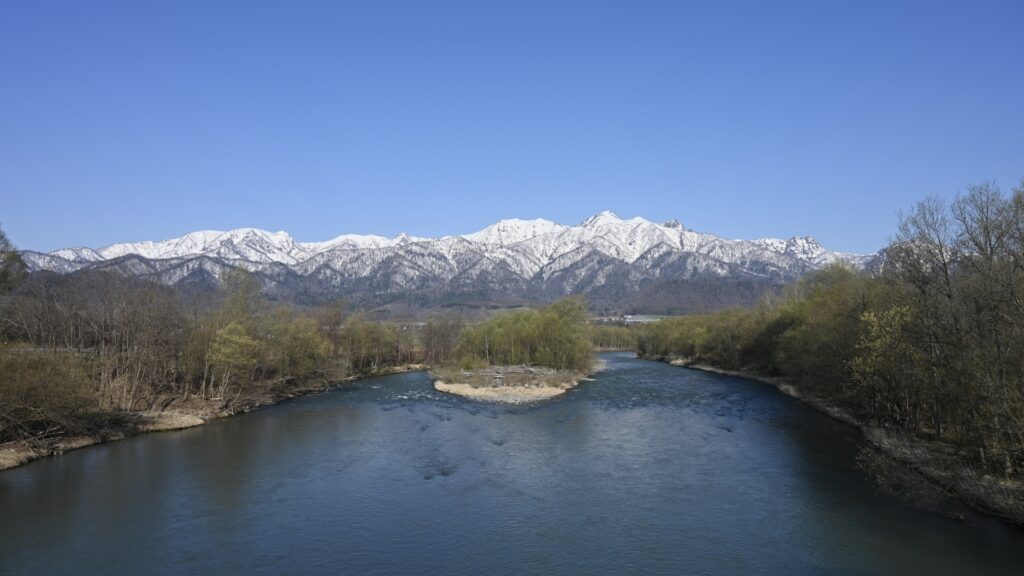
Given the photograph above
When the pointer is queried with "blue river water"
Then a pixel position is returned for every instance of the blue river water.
(649, 469)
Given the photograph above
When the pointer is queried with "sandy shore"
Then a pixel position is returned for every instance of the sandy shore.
(506, 394)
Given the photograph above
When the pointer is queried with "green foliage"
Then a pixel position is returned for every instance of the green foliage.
(250, 342)
(294, 346)
(555, 336)
(234, 351)
(371, 346)
(887, 367)
(472, 363)
(612, 337)
(824, 327)
(440, 337)
(811, 336)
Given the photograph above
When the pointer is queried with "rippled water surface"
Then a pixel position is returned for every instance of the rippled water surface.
(649, 469)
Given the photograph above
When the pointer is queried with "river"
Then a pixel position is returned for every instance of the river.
(649, 469)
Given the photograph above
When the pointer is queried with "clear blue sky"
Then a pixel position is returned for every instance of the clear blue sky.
(146, 120)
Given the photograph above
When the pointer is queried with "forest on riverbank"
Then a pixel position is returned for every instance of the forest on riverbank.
(931, 345)
(87, 353)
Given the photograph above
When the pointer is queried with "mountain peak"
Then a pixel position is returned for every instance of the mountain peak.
(804, 240)
(238, 233)
(512, 230)
(602, 218)
(802, 247)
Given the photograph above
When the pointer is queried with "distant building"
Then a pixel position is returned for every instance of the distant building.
(640, 319)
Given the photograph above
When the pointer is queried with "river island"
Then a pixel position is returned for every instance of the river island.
(509, 384)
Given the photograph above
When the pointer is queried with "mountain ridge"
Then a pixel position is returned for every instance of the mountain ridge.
(512, 259)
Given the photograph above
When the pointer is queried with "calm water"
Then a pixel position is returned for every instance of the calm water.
(650, 469)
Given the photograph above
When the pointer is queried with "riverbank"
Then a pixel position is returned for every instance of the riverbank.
(509, 384)
(194, 412)
(930, 460)
(505, 394)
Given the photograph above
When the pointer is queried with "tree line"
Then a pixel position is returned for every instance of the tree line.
(82, 352)
(555, 336)
(931, 343)
(607, 336)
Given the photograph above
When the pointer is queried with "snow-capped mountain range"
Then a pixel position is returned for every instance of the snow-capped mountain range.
(606, 257)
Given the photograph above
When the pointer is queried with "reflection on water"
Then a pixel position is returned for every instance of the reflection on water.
(649, 469)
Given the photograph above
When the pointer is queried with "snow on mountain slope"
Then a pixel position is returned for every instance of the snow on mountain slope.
(513, 230)
(349, 242)
(245, 243)
(807, 249)
(78, 254)
(604, 252)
